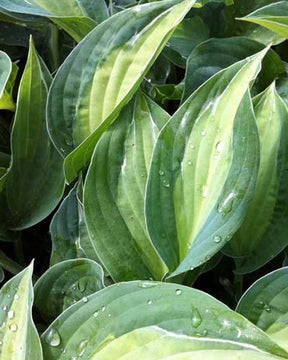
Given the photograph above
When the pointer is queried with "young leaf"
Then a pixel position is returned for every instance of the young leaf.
(153, 343)
(66, 283)
(18, 335)
(86, 327)
(216, 54)
(263, 233)
(265, 304)
(114, 192)
(102, 73)
(204, 169)
(8, 73)
(273, 16)
(77, 17)
(34, 183)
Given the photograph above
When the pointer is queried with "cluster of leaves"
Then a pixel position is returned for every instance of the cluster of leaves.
(147, 142)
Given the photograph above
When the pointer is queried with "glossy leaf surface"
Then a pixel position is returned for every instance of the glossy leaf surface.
(77, 17)
(34, 183)
(203, 167)
(152, 343)
(263, 233)
(18, 335)
(216, 54)
(265, 304)
(102, 73)
(124, 307)
(66, 283)
(114, 192)
(273, 16)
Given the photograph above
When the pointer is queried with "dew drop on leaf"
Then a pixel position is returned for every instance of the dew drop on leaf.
(4, 308)
(219, 146)
(53, 338)
(147, 284)
(85, 299)
(82, 347)
(204, 191)
(217, 239)
(267, 308)
(10, 314)
(226, 205)
(203, 133)
(178, 292)
(196, 318)
(13, 327)
(149, 302)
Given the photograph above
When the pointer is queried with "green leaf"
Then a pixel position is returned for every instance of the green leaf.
(114, 192)
(77, 17)
(265, 304)
(18, 335)
(65, 230)
(8, 73)
(153, 343)
(88, 327)
(66, 283)
(273, 17)
(234, 27)
(263, 233)
(34, 183)
(216, 54)
(188, 34)
(204, 169)
(102, 73)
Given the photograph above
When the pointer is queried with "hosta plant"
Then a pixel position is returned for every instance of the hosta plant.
(143, 179)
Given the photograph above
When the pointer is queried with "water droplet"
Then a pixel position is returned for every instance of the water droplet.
(178, 292)
(85, 299)
(53, 338)
(261, 303)
(192, 268)
(96, 313)
(166, 183)
(189, 162)
(1, 343)
(103, 308)
(161, 172)
(203, 133)
(147, 284)
(16, 297)
(226, 206)
(218, 130)
(82, 347)
(4, 308)
(219, 146)
(13, 327)
(204, 191)
(149, 302)
(196, 320)
(192, 147)
(267, 308)
(217, 239)
(10, 314)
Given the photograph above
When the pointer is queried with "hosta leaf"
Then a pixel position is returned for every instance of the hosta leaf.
(77, 17)
(204, 166)
(217, 54)
(189, 33)
(102, 73)
(152, 343)
(253, 31)
(69, 234)
(8, 72)
(66, 283)
(265, 304)
(263, 233)
(34, 183)
(18, 335)
(272, 16)
(114, 192)
(86, 327)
